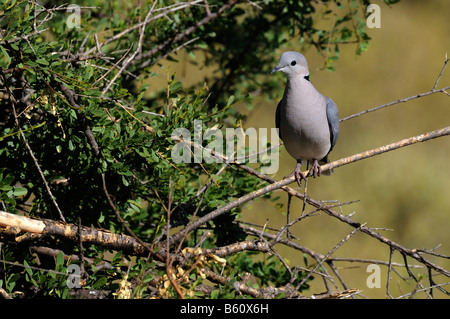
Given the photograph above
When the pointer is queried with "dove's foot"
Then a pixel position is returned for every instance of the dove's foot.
(315, 169)
(298, 174)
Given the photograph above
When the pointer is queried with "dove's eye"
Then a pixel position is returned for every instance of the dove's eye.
(293, 63)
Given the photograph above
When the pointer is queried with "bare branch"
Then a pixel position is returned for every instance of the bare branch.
(280, 184)
(440, 74)
(70, 231)
(433, 91)
(319, 264)
(137, 51)
(387, 148)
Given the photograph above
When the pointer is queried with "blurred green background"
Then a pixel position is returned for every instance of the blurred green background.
(408, 190)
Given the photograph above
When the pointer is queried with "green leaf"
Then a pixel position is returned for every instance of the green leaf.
(11, 281)
(65, 293)
(59, 260)
(32, 64)
(42, 61)
(124, 181)
(117, 258)
(214, 294)
(14, 46)
(175, 86)
(28, 269)
(140, 97)
(230, 100)
(6, 188)
(5, 60)
(20, 191)
(100, 283)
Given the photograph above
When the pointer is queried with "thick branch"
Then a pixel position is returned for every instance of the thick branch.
(70, 231)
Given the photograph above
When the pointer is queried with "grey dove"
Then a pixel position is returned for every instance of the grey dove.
(307, 121)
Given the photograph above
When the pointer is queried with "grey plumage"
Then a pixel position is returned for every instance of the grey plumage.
(307, 121)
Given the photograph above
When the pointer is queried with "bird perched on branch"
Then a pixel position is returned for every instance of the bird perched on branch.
(307, 121)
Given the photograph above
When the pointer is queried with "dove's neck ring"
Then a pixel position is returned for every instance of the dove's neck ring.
(299, 87)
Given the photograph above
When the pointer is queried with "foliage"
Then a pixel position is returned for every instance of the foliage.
(75, 109)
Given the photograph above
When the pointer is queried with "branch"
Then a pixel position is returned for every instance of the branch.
(187, 32)
(70, 231)
(4, 294)
(316, 255)
(440, 74)
(282, 183)
(133, 55)
(324, 259)
(387, 148)
(433, 91)
(272, 292)
(170, 9)
(413, 253)
(136, 239)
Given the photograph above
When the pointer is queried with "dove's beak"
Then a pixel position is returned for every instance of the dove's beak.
(275, 69)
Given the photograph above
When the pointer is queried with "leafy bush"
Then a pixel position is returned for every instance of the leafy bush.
(82, 140)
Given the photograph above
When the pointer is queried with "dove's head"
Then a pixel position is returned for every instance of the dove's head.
(292, 64)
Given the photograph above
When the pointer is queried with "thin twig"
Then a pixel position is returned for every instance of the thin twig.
(169, 259)
(136, 52)
(440, 74)
(170, 9)
(423, 289)
(443, 90)
(30, 151)
(127, 228)
(319, 264)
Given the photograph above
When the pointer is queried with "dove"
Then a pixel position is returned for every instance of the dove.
(306, 120)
